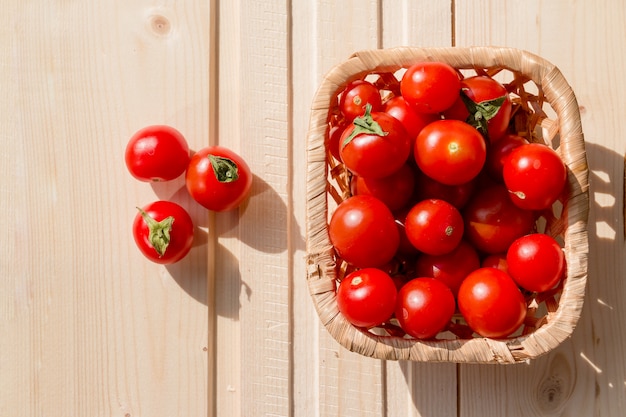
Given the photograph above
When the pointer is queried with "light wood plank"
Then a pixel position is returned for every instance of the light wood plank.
(254, 246)
(330, 381)
(418, 23)
(586, 375)
(419, 389)
(90, 327)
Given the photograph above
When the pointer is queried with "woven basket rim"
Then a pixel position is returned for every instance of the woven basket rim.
(321, 274)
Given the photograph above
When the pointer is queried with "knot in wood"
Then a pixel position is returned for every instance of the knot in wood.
(552, 393)
(160, 25)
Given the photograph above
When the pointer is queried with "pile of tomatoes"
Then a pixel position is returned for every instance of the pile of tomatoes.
(215, 176)
(440, 227)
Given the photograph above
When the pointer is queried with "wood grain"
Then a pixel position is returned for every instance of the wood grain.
(90, 328)
(586, 375)
(333, 381)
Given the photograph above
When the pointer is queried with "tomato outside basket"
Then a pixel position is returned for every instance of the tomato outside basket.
(545, 110)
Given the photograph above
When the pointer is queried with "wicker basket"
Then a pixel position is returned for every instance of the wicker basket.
(545, 110)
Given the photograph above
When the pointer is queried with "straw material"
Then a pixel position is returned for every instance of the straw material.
(545, 110)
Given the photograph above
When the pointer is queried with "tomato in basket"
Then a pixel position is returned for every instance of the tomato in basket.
(535, 176)
(375, 145)
(493, 221)
(434, 226)
(536, 262)
(363, 232)
(450, 151)
(491, 303)
(485, 104)
(424, 308)
(367, 297)
(430, 87)
(395, 190)
(356, 96)
(442, 201)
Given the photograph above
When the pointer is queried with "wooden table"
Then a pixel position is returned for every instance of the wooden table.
(91, 328)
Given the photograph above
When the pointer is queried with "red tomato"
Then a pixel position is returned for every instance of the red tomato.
(498, 152)
(450, 268)
(535, 176)
(430, 87)
(485, 104)
(434, 226)
(405, 248)
(374, 145)
(356, 96)
(412, 121)
(334, 136)
(367, 297)
(457, 195)
(495, 260)
(493, 222)
(364, 232)
(450, 151)
(218, 178)
(536, 262)
(157, 153)
(491, 303)
(394, 190)
(424, 307)
(163, 232)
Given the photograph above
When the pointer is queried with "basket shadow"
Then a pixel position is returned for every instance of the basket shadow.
(605, 289)
(589, 352)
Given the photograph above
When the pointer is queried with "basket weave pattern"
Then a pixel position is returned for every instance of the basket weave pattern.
(544, 110)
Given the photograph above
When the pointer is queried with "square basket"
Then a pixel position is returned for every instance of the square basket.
(544, 110)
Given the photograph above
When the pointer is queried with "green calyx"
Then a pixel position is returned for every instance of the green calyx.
(225, 169)
(481, 113)
(159, 232)
(365, 124)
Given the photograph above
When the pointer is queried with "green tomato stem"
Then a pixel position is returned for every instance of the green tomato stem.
(480, 113)
(365, 124)
(225, 169)
(159, 232)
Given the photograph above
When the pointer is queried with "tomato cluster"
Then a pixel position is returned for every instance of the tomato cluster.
(439, 232)
(216, 177)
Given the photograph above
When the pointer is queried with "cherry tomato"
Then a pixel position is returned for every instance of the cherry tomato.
(333, 140)
(356, 96)
(430, 87)
(450, 151)
(157, 153)
(485, 104)
(424, 307)
(363, 232)
(163, 232)
(498, 152)
(493, 222)
(375, 145)
(406, 248)
(491, 303)
(457, 195)
(535, 176)
(536, 262)
(450, 268)
(434, 226)
(495, 260)
(367, 297)
(394, 190)
(218, 178)
(412, 121)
